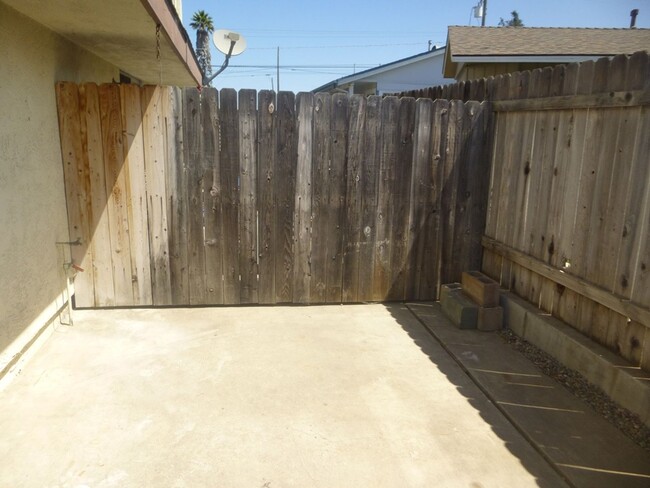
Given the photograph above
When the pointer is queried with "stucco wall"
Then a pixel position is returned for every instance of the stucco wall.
(32, 195)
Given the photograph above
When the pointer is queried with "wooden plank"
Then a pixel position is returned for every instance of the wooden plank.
(478, 172)
(403, 171)
(430, 279)
(632, 223)
(452, 193)
(385, 201)
(91, 133)
(369, 189)
(320, 181)
(284, 189)
(592, 292)
(116, 190)
(303, 200)
(353, 198)
(212, 190)
(505, 159)
(153, 125)
(136, 195)
(78, 191)
(195, 195)
(248, 196)
(229, 168)
(177, 207)
(266, 182)
(421, 203)
(589, 192)
(609, 99)
(336, 220)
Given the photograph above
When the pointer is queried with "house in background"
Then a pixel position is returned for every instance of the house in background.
(42, 43)
(412, 73)
(479, 52)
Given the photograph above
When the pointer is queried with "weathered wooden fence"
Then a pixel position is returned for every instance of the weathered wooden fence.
(568, 224)
(181, 197)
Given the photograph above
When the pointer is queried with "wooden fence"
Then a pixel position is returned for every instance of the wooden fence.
(184, 198)
(568, 223)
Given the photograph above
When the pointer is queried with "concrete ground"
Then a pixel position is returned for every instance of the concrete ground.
(322, 396)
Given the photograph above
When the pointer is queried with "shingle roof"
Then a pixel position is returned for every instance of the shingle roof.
(545, 41)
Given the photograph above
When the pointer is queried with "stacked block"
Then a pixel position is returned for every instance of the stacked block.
(474, 303)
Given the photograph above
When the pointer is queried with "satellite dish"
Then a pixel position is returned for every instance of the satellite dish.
(223, 39)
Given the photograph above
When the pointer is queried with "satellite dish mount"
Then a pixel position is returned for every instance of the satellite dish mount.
(231, 44)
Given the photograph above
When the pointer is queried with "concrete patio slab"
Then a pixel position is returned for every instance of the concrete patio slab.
(326, 396)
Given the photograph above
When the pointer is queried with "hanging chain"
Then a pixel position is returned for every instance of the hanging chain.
(158, 56)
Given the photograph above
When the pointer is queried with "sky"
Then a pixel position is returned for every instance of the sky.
(321, 41)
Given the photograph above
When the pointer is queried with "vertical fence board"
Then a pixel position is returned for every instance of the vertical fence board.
(353, 197)
(266, 181)
(212, 189)
(78, 190)
(451, 151)
(248, 196)
(369, 188)
(116, 192)
(177, 208)
(229, 167)
(101, 244)
(421, 201)
(385, 201)
(320, 183)
(131, 111)
(430, 276)
(154, 136)
(336, 219)
(195, 195)
(303, 200)
(285, 188)
(401, 194)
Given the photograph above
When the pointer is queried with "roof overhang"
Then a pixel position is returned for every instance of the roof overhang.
(125, 34)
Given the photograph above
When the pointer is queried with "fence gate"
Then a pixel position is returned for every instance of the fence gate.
(187, 198)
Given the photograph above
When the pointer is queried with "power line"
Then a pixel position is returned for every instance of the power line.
(346, 46)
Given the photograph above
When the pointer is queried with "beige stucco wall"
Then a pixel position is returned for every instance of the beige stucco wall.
(32, 195)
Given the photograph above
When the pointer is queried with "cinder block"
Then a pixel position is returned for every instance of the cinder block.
(480, 288)
(459, 308)
(448, 288)
(490, 318)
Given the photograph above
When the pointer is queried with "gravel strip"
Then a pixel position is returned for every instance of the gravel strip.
(627, 422)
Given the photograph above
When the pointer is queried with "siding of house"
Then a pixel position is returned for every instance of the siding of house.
(474, 71)
(421, 74)
(32, 194)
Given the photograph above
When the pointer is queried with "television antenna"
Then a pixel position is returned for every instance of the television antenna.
(231, 44)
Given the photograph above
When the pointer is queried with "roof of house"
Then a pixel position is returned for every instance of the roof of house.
(539, 44)
(361, 75)
(144, 38)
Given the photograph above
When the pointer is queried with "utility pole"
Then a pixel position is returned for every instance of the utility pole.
(277, 74)
(484, 12)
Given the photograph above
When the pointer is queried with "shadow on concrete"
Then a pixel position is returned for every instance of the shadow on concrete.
(511, 438)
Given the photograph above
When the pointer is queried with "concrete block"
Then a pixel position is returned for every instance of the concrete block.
(459, 308)
(448, 288)
(480, 288)
(490, 318)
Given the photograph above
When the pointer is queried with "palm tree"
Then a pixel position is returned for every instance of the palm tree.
(202, 23)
